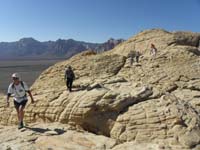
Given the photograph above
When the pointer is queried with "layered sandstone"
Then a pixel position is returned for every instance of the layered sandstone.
(153, 101)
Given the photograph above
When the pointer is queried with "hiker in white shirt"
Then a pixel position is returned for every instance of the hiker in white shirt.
(153, 51)
(18, 90)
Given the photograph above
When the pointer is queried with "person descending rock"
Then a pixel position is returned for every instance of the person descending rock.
(199, 46)
(18, 90)
(69, 77)
(153, 51)
(137, 55)
(131, 56)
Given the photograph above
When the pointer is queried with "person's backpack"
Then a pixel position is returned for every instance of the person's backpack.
(22, 84)
(69, 74)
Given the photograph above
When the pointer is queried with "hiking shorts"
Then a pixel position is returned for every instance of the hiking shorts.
(22, 103)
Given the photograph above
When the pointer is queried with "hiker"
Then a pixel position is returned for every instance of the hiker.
(131, 56)
(18, 90)
(69, 77)
(137, 55)
(153, 51)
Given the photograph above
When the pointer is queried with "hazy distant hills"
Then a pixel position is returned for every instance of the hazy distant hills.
(29, 47)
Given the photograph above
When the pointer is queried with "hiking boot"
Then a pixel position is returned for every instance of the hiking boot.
(20, 125)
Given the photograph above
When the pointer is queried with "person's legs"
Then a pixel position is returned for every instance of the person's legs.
(70, 85)
(154, 54)
(17, 109)
(131, 61)
(21, 115)
(137, 59)
(17, 106)
(20, 112)
(66, 83)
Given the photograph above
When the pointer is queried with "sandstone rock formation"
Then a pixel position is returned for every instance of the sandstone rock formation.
(51, 136)
(154, 101)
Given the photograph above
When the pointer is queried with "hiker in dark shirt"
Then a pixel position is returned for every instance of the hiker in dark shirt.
(137, 56)
(131, 56)
(69, 77)
(199, 46)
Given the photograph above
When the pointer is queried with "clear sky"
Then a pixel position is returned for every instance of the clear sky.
(94, 20)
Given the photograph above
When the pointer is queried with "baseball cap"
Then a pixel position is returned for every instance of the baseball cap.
(16, 75)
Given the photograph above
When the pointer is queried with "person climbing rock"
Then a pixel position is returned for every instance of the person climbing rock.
(153, 51)
(69, 77)
(137, 56)
(131, 56)
(18, 90)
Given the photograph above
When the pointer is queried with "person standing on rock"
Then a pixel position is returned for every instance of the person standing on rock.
(18, 90)
(153, 51)
(131, 56)
(137, 56)
(69, 77)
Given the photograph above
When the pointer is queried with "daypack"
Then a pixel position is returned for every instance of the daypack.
(69, 74)
(22, 84)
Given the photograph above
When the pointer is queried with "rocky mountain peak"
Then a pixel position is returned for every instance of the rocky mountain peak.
(28, 40)
(29, 47)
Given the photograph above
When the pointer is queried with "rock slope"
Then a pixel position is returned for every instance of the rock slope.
(154, 101)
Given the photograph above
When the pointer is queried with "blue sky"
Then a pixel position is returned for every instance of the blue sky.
(94, 20)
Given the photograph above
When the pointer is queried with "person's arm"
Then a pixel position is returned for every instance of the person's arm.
(156, 50)
(26, 88)
(31, 96)
(9, 93)
(65, 77)
(7, 99)
(73, 75)
(151, 51)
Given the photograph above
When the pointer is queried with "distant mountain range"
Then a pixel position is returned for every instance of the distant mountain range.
(29, 47)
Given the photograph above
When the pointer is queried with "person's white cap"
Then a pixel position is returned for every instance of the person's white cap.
(16, 75)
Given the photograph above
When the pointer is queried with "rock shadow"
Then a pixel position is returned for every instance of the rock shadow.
(42, 130)
(59, 131)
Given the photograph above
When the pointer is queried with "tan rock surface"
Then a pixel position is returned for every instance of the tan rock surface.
(53, 136)
(155, 100)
